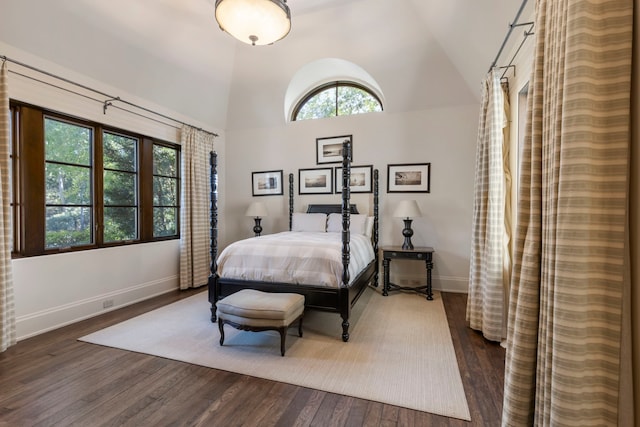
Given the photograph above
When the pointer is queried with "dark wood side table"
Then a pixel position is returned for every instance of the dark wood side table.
(417, 254)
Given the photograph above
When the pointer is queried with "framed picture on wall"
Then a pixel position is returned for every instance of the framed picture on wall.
(266, 183)
(315, 181)
(409, 178)
(360, 179)
(329, 150)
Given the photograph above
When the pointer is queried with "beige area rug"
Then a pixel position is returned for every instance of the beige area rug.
(399, 352)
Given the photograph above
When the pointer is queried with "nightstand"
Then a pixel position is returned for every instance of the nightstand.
(416, 254)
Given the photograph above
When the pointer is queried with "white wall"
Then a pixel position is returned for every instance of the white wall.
(55, 290)
(386, 39)
(444, 137)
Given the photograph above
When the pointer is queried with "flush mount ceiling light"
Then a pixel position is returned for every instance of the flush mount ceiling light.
(255, 22)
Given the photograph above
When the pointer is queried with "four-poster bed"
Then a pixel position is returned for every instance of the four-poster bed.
(339, 298)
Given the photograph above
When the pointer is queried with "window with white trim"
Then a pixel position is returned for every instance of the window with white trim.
(339, 98)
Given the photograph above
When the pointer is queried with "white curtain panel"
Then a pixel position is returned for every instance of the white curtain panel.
(195, 254)
(566, 317)
(7, 311)
(490, 254)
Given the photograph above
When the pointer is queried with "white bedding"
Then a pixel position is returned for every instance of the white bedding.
(312, 258)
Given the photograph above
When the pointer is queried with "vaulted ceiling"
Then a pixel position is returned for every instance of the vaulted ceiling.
(423, 53)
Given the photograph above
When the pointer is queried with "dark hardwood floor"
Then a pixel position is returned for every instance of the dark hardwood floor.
(54, 380)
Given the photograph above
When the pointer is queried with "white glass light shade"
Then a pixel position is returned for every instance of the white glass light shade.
(256, 210)
(255, 22)
(407, 209)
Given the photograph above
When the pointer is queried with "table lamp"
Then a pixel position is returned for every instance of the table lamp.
(257, 210)
(407, 209)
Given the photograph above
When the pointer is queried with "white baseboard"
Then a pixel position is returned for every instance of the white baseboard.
(451, 284)
(57, 317)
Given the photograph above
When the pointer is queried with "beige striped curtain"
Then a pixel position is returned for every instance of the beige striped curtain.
(490, 252)
(565, 361)
(194, 207)
(7, 313)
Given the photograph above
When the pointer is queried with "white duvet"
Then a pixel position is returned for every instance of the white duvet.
(311, 258)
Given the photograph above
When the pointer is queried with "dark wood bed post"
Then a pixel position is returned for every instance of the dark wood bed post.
(346, 236)
(290, 201)
(376, 192)
(213, 197)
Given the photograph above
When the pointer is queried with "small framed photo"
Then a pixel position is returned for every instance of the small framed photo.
(359, 181)
(329, 150)
(315, 181)
(267, 183)
(409, 178)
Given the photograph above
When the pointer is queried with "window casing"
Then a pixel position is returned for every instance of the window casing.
(337, 99)
(82, 185)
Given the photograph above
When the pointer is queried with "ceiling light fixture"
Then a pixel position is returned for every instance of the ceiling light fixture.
(255, 22)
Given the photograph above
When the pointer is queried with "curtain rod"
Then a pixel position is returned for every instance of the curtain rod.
(511, 27)
(106, 103)
(527, 33)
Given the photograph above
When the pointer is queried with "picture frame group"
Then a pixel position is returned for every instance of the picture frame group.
(267, 183)
(401, 177)
(409, 178)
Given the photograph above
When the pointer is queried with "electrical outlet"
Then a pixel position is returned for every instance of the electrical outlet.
(107, 303)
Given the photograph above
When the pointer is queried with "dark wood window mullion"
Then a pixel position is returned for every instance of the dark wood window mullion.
(145, 186)
(337, 99)
(98, 187)
(15, 181)
(178, 189)
(31, 142)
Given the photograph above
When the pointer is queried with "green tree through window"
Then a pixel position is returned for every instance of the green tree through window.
(68, 176)
(337, 99)
(165, 191)
(120, 187)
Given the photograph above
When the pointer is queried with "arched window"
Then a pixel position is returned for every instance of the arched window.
(341, 98)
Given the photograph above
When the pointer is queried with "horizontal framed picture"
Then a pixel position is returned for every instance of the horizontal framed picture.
(267, 183)
(315, 181)
(359, 181)
(409, 178)
(329, 150)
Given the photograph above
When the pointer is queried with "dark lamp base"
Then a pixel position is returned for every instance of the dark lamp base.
(257, 229)
(407, 233)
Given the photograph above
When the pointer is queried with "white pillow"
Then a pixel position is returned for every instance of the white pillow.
(334, 223)
(368, 227)
(358, 223)
(309, 222)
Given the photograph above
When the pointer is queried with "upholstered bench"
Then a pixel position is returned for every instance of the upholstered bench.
(251, 310)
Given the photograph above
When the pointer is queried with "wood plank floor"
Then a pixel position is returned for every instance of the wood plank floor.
(55, 380)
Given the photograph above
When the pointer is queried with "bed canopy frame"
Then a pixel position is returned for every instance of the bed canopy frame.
(339, 300)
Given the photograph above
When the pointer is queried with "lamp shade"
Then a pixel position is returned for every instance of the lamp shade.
(407, 209)
(256, 210)
(255, 22)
